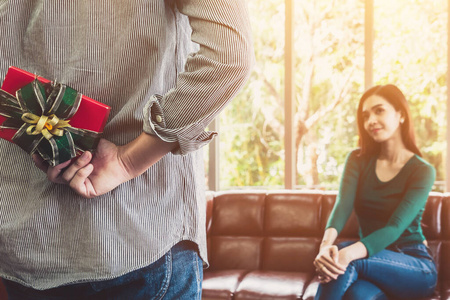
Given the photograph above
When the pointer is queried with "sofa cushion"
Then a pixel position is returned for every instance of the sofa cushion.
(445, 218)
(235, 252)
(272, 285)
(289, 214)
(431, 219)
(445, 271)
(290, 254)
(238, 215)
(311, 289)
(221, 284)
(436, 250)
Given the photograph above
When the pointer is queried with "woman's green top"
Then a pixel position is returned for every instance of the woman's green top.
(389, 213)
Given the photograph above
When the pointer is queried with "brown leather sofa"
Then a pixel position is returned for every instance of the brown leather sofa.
(3, 295)
(261, 245)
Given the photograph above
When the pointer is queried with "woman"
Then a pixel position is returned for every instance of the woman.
(387, 183)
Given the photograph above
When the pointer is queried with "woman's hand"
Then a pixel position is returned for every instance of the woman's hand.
(352, 252)
(344, 256)
(327, 264)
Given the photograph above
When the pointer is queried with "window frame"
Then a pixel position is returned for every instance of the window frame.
(289, 140)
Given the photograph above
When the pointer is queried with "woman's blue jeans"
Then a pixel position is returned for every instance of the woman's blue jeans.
(406, 272)
(176, 275)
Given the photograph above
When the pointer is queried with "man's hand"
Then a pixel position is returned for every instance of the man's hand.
(105, 171)
(91, 175)
(111, 165)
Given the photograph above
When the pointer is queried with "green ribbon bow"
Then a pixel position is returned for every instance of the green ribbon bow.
(41, 114)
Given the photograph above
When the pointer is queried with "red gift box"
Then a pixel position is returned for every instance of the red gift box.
(91, 115)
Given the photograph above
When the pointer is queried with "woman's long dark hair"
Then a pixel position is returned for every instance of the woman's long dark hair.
(395, 97)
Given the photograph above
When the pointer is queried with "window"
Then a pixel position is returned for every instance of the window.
(334, 50)
(410, 49)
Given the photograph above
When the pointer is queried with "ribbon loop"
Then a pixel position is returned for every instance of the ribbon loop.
(48, 126)
(40, 114)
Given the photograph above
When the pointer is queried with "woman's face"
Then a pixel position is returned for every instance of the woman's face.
(381, 120)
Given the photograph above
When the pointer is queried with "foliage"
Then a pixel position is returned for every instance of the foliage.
(251, 130)
(329, 78)
(416, 61)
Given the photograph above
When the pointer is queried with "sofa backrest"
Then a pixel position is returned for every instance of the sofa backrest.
(282, 230)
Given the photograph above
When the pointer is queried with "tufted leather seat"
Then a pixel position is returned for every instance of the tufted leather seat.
(261, 245)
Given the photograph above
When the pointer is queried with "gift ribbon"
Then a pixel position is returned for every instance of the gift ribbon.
(41, 115)
(48, 126)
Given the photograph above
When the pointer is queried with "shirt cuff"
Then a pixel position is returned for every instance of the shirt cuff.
(189, 138)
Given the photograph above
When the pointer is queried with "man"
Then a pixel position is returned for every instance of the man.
(126, 222)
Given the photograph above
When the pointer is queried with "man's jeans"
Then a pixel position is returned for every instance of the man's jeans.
(176, 275)
(407, 272)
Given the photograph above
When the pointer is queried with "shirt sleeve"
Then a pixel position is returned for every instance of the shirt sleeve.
(415, 198)
(211, 78)
(345, 199)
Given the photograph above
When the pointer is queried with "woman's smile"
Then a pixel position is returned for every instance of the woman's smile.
(381, 120)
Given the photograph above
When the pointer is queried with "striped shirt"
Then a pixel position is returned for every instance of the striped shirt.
(165, 67)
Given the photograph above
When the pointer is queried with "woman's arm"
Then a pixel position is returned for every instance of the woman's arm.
(347, 192)
(350, 253)
(414, 200)
(331, 262)
(327, 261)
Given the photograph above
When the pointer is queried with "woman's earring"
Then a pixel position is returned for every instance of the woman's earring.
(402, 121)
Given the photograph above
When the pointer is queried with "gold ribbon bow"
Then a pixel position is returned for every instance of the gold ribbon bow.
(48, 126)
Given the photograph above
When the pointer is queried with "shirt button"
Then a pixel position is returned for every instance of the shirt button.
(158, 118)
